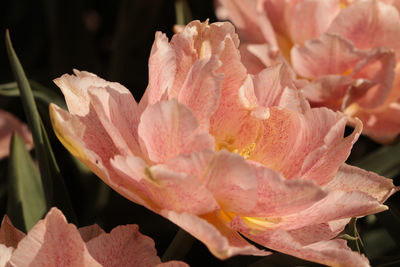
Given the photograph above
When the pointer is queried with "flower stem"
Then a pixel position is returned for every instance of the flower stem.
(179, 247)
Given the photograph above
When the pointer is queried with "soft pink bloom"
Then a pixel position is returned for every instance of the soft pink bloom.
(219, 151)
(55, 242)
(348, 50)
(9, 124)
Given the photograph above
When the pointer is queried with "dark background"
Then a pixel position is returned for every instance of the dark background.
(113, 40)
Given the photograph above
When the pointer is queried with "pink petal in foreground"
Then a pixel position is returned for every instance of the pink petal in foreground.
(123, 246)
(168, 129)
(5, 254)
(8, 125)
(52, 242)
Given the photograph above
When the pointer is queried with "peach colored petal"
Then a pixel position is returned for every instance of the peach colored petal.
(256, 57)
(233, 182)
(310, 18)
(369, 24)
(9, 235)
(350, 178)
(329, 54)
(221, 240)
(162, 69)
(277, 196)
(330, 252)
(52, 242)
(378, 71)
(118, 113)
(89, 232)
(123, 246)
(168, 129)
(5, 254)
(8, 125)
(202, 89)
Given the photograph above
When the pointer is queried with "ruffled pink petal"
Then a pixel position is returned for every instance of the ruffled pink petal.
(75, 90)
(169, 129)
(329, 54)
(369, 24)
(277, 196)
(350, 178)
(52, 242)
(8, 125)
(118, 113)
(166, 188)
(89, 232)
(331, 252)
(328, 91)
(123, 246)
(380, 125)
(377, 69)
(5, 254)
(9, 235)
(221, 240)
(256, 57)
(233, 182)
(202, 89)
(162, 70)
(309, 145)
(310, 18)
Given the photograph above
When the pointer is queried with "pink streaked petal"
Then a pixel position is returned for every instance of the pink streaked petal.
(318, 232)
(123, 246)
(322, 164)
(378, 71)
(278, 196)
(75, 89)
(202, 89)
(329, 54)
(8, 125)
(256, 57)
(310, 18)
(221, 240)
(162, 70)
(118, 113)
(169, 129)
(290, 137)
(369, 24)
(350, 178)
(9, 235)
(330, 252)
(180, 192)
(5, 254)
(328, 91)
(53, 242)
(233, 182)
(89, 232)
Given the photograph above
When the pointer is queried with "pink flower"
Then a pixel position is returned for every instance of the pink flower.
(8, 125)
(55, 242)
(219, 151)
(348, 50)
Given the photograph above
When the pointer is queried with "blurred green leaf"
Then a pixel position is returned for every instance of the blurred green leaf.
(26, 201)
(182, 12)
(53, 183)
(40, 93)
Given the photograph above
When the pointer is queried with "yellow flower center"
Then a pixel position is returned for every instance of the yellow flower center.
(228, 144)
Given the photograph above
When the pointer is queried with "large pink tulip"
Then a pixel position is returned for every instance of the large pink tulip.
(220, 152)
(348, 50)
(9, 124)
(55, 242)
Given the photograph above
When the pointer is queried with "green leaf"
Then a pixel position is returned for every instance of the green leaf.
(182, 12)
(26, 202)
(53, 183)
(40, 93)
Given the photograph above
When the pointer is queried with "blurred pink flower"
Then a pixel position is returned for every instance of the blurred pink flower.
(9, 124)
(347, 50)
(55, 242)
(219, 151)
